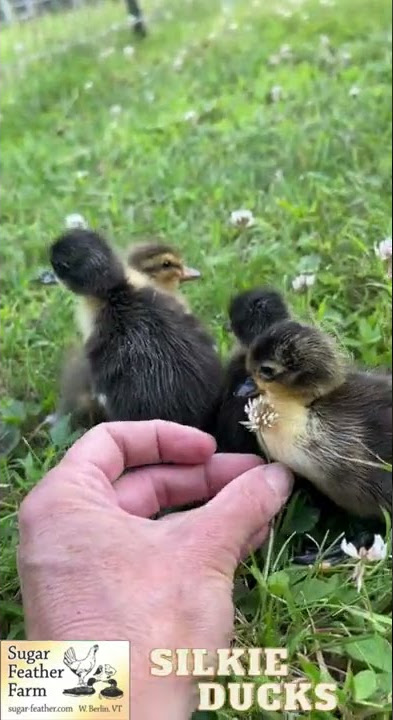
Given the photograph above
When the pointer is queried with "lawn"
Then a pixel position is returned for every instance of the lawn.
(282, 108)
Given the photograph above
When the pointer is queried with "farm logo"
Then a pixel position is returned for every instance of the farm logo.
(65, 680)
(83, 668)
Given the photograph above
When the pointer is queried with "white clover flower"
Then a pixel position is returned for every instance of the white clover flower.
(324, 41)
(350, 549)
(384, 249)
(260, 413)
(304, 281)
(276, 93)
(128, 51)
(179, 60)
(106, 52)
(286, 52)
(51, 419)
(88, 85)
(190, 116)
(242, 218)
(75, 220)
(345, 56)
(279, 175)
(80, 174)
(354, 91)
(274, 59)
(178, 63)
(376, 553)
(115, 110)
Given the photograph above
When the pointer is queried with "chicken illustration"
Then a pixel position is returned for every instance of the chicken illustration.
(81, 668)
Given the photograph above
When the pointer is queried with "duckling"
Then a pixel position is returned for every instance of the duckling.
(151, 262)
(328, 422)
(250, 313)
(113, 691)
(148, 356)
(82, 690)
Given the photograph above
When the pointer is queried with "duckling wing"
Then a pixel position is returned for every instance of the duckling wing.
(355, 442)
(150, 361)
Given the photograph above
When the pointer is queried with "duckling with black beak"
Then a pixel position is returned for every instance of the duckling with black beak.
(328, 422)
(250, 313)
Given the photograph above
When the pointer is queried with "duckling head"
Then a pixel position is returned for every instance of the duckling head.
(291, 359)
(162, 264)
(253, 311)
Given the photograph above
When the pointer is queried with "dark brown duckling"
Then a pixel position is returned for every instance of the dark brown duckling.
(82, 690)
(112, 691)
(148, 356)
(328, 422)
(250, 313)
(151, 262)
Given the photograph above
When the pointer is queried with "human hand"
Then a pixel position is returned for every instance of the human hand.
(94, 567)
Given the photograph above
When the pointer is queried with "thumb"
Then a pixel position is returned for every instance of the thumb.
(229, 522)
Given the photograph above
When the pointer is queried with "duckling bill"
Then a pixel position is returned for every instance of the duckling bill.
(327, 421)
(149, 357)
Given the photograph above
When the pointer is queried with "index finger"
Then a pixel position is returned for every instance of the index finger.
(113, 447)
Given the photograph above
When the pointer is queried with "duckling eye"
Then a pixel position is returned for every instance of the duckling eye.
(166, 264)
(267, 371)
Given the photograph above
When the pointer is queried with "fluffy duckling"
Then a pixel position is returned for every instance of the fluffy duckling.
(250, 313)
(148, 357)
(152, 262)
(328, 422)
(161, 265)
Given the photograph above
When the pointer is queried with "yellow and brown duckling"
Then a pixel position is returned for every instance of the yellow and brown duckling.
(151, 262)
(161, 264)
(309, 409)
(148, 356)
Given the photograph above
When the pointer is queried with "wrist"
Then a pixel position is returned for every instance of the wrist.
(162, 699)
(159, 698)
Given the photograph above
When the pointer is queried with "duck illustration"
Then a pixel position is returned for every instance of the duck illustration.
(82, 690)
(112, 691)
(100, 675)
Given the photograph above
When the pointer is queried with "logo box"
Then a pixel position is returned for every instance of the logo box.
(65, 680)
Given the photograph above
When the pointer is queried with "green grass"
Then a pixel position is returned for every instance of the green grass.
(315, 170)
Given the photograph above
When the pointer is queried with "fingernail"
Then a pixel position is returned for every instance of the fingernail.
(279, 478)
